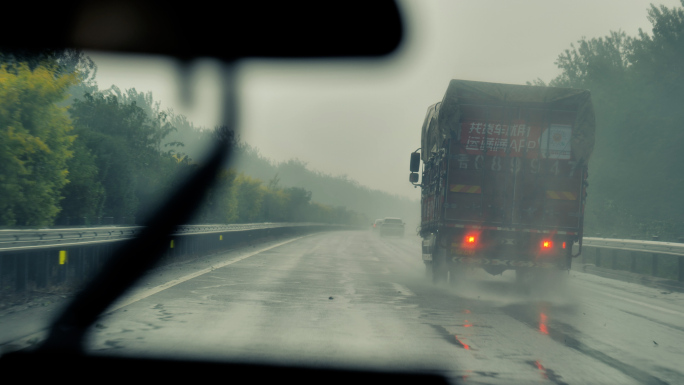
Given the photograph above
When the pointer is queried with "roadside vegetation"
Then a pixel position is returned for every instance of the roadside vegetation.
(72, 154)
(75, 155)
(328, 190)
(636, 182)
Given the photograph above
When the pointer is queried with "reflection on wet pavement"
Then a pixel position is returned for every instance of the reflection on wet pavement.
(464, 345)
(542, 324)
(548, 374)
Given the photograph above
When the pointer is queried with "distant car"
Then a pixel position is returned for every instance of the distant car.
(377, 224)
(392, 226)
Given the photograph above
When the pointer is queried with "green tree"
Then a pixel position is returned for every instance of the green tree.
(14, 60)
(84, 196)
(187, 139)
(76, 61)
(160, 122)
(221, 203)
(36, 136)
(62, 62)
(249, 197)
(298, 204)
(637, 86)
(119, 137)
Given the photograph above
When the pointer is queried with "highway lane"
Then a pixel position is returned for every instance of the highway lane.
(356, 300)
(353, 299)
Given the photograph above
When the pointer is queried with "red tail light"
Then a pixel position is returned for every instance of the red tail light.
(469, 241)
(563, 244)
(546, 244)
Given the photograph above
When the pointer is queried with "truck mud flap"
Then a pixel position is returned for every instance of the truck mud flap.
(504, 262)
(428, 247)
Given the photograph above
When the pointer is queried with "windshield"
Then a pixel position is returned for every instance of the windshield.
(542, 241)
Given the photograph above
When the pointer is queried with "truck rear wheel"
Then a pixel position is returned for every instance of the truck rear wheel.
(440, 267)
(456, 273)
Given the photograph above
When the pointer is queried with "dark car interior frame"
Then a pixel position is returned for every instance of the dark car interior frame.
(198, 29)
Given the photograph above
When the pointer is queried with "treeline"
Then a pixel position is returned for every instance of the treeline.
(241, 198)
(328, 189)
(637, 84)
(74, 155)
(341, 189)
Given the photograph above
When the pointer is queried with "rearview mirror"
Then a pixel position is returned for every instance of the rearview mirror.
(353, 28)
(413, 177)
(415, 162)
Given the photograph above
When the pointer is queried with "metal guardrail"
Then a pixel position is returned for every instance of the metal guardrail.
(63, 259)
(52, 257)
(660, 259)
(12, 240)
(671, 248)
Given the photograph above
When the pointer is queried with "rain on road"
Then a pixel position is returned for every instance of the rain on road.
(353, 299)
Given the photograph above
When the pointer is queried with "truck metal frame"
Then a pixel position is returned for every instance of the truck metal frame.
(504, 177)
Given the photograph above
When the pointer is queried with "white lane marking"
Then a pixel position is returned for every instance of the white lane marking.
(644, 304)
(32, 339)
(144, 294)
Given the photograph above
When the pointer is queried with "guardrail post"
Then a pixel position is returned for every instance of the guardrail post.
(632, 266)
(681, 269)
(654, 264)
(80, 267)
(39, 270)
(613, 260)
(598, 257)
(62, 272)
(20, 269)
(44, 269)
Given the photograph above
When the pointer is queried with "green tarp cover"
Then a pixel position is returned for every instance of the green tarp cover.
(442, 119)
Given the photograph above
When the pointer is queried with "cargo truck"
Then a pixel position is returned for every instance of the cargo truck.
(504, 178)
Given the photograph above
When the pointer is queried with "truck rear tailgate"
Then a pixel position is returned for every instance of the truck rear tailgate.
(503, 169)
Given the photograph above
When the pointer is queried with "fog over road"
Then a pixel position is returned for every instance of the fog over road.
(353, 299)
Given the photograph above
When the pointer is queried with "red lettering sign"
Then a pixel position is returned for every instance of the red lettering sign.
(516, 140)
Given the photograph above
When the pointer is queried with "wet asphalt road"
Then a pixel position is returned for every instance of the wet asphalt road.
(352, 299)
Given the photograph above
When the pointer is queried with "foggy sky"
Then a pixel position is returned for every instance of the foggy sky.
(363, 118)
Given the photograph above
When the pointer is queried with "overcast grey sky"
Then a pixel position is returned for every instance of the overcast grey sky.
(363, 118)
